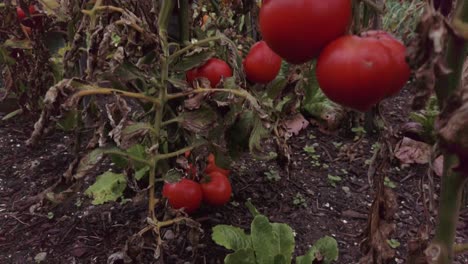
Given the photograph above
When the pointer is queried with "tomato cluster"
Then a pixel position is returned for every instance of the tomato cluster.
(354, 71)
(215, 189)
(261, 65)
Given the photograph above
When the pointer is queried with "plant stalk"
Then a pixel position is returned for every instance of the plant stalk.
(163, 23)
(184, 22)
(440, 251)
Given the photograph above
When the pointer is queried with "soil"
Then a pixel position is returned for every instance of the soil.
(74, 231)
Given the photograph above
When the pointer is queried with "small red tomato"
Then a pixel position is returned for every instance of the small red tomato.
(298, 30)
(217, 191)
(185, 194)
(22, 15)
(262, 65)
(355, 72)
(214, 69)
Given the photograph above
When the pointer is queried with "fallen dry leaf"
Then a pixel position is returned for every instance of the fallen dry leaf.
(438, 166)
(296, 124)
(410, 151)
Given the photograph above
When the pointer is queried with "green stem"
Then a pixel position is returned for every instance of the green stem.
(440, 251)
(459, 249)
(184, 22)
(177, 153)
(129, 157)
(107, 91)
(240, 93)
(194, 45)
(172, 121)
(448, 83)
(377, 8)
(441, 248)
(163, 23)
(357, 16)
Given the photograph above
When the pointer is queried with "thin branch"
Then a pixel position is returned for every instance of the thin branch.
(108, 91)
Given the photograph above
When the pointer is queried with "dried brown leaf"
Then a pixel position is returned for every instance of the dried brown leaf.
(410, 151)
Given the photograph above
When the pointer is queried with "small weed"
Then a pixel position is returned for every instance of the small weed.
(272, 175)
(393, 243)
(359, 132)
(50, 215)
(313, 154)
(299, 200)
(337, 144)
(389, 183)
(333, 180)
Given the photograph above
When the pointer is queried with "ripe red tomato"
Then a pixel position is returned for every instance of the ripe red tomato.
(185, 194)
(398, 53)
(298, 30)
(217, 191)
(214, 69)
(262, 65)
(22, 15)
(355, 72)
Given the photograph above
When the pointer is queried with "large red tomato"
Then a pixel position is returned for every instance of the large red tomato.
(398, 53)
(298, 30)
(217, 191)
(214, 69)
(262, 65)
(356, 72)
(185, 194)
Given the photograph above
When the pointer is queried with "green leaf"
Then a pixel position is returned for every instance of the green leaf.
(137, 128)
(137, 151)
(242, 256)
(309, 257)
(172, 176)
(139, 174)
(69, 121)
(286, 240)
(259, 132)
(252, 208)
(88, 162)
(18, 44)
(231, 237)
(108, 187)
(393, 243)
(190, 62)
(276, 87)
(264, 240)
(328, 248)
(280, 259)
(199, 121)
(238, 134)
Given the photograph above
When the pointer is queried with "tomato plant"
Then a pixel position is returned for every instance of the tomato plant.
(262, 65)
(217, 190)
(214, 70)
(299, 30)
(185, 194)
(358, 72)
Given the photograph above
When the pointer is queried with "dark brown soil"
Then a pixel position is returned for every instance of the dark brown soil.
(74, 231)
